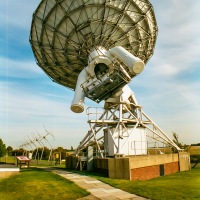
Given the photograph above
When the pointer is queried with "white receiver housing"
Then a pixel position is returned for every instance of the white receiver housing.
(106, 58)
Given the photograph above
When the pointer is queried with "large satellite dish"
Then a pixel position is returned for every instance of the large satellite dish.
(96, 47)
(64, 32)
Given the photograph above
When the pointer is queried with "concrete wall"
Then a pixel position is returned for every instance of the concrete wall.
(150, 160)
(119, 168)
(113, 167)
(71, 162)
(139, 167)
(184, 161)
(101, 165)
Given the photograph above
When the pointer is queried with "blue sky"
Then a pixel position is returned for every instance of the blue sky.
(168, 89)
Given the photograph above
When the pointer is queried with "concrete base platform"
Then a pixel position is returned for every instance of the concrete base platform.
(7, 170)
(141, 167)
(144, 167)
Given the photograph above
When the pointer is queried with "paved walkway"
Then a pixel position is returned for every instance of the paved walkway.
(98, 189)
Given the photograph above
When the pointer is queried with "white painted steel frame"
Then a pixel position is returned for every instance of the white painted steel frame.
(113, 117)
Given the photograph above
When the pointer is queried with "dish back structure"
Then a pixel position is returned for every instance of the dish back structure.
(64, 32)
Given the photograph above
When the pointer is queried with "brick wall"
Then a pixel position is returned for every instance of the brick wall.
(145, 173)
(149, 172)
(171, 168)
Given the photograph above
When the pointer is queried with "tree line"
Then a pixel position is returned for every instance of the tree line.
(44, 151)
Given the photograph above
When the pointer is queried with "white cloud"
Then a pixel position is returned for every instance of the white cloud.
(18, 68)
(19, 103)
(166, 69)
(172, 102)
(178, 43)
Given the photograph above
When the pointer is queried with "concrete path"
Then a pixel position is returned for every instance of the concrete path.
(98, 189)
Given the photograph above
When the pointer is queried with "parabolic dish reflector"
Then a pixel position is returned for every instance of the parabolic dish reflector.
(64, 32)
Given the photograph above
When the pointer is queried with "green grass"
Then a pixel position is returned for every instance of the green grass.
(34, 183)
(8, 159)
(179, 186)
(194, 150)
(33, 162)
(46, 163)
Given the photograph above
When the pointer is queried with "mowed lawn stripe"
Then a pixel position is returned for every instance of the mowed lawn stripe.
(36, 183)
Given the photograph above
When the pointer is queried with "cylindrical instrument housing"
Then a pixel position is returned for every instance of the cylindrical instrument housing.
(77, 105)
(135, 64)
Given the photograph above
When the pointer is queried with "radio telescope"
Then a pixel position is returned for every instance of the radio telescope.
(96, 47)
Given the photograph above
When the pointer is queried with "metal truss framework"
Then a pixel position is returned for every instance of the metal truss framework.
(122, 116)
(35, 142)
(64, 32)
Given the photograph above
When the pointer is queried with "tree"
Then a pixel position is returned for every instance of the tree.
(18, 152)
(179, 144)
(2, 148)
(176, 140)
(62, 151)
(44, 152)
(9, 150)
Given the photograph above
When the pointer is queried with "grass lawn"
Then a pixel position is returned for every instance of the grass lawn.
(9, 159)
(34, 183)
(33, 162)
(182, 185)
